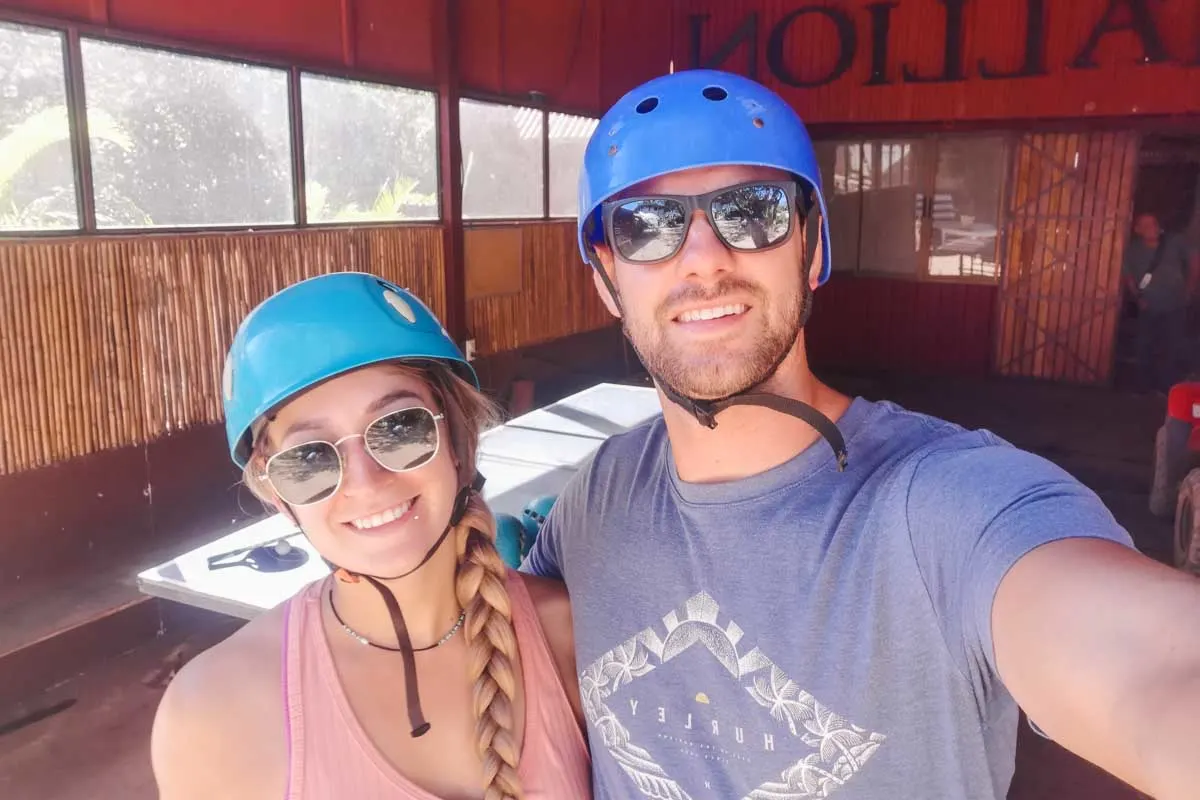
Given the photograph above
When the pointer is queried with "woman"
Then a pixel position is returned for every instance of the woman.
(422, 667)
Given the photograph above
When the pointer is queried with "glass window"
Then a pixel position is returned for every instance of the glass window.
(890, 241)
(918, 207)
(501, 160)
(966, 207)
(370, 151)
(568, 139)
(37, 169)
(190, 141)
(841, 177)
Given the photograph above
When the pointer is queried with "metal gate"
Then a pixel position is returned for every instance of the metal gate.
(1068, 213)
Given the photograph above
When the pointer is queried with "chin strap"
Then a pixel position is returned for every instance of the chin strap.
(705, 412)
(416, 716)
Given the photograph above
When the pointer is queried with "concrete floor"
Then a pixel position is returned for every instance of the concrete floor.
(98, 747)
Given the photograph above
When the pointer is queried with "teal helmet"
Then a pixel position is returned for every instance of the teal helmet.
(318, 329)
(509, 536)
(533, 516)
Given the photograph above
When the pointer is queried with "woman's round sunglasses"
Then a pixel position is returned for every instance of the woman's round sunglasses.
(749, 216)
(399, 441)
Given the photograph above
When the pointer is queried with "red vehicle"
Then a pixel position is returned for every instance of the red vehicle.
(1176, 487)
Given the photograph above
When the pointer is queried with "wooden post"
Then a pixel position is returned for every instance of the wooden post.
(445, 49)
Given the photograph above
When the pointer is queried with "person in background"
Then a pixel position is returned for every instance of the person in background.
(1162, 274)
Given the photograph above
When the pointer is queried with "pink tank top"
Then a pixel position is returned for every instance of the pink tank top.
(331, 756)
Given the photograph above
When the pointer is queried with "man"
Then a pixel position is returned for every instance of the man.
(761, 614)
(1162, 274)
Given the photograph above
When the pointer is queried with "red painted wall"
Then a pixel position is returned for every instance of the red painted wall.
(994, 33)
(583, 54)
(901, 325)
(506, 47)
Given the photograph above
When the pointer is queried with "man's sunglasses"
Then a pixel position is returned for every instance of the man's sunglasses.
(311, 472)
(748, 217)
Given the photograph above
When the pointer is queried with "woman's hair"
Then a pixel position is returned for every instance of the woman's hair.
(479, 582)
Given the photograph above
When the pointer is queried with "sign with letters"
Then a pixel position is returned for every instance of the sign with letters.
(862, 34)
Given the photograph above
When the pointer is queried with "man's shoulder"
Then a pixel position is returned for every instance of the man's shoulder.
(900, 434)
(914, 445)
(1179, 245)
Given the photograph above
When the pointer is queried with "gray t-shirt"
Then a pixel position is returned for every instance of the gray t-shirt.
(804, 633)
(1167, 288)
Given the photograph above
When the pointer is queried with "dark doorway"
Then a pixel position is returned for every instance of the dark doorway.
(1168, 186)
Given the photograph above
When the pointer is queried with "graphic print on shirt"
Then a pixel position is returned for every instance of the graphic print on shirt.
(782, 742)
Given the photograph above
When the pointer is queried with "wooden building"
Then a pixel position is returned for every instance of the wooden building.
(982, 160)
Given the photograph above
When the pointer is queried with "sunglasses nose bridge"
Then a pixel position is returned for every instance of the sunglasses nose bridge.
(359, 466)
(702, 250)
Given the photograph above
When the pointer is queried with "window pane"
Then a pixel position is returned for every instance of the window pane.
(966, 206)
(889, 174)
(37, 174)
(185, 141)
(568, 139)
(501, 160)
(370, 151)
(841, 178)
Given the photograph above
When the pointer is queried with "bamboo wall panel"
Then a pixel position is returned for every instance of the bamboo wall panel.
(1068, 216)
(107, 342)
(493, 259)
(557, 297)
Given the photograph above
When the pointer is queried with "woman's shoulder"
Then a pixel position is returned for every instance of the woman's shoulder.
(552, 605)
(225, 707)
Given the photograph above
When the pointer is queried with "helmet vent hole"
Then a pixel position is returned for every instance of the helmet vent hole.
(647, 105)
(714, 93)
(758, 123)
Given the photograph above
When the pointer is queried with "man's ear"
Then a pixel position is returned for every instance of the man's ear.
(814, 269)
(604, 261)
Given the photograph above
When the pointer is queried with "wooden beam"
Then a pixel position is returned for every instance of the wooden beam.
(85, 190)
(445, 48)
(349, 35)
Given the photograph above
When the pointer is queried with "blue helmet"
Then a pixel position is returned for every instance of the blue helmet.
(320, 328)
(694, 118)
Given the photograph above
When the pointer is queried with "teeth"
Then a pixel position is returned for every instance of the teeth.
(382, 518)
(712, 313)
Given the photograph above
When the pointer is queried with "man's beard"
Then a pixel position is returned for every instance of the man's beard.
(721, 371)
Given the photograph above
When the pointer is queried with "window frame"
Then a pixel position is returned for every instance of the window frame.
(74, 32)
(80, 166)
(925, 184)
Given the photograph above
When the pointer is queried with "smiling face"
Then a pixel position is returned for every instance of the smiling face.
(711, 321)
(378, 522)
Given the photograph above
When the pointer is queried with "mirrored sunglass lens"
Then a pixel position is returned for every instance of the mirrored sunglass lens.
(404, 439)
(648, 230)
(752, 217)
(306, 473)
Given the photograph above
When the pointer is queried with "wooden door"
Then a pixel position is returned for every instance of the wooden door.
(1067, 220)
